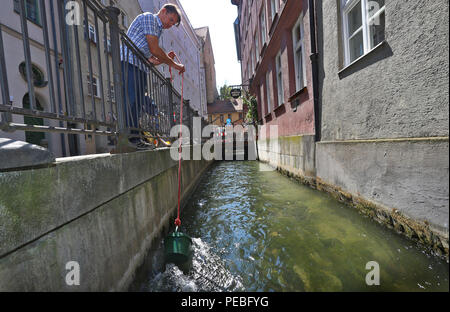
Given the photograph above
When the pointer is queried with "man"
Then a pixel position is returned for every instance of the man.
(145, 31)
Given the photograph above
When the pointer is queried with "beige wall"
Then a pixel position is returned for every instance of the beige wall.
(11, 32)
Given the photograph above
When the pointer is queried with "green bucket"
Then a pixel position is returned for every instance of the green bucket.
(177, 248)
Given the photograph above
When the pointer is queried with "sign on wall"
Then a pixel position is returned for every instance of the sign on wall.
(235, 93)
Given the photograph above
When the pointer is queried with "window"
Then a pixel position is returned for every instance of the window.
(274, 6)
(31, 10)
(37, 75)
(363, 26)
(262, 21)
(92, 33)
(108, 45)
(112, 92)
(261, 96)
(299, 59)
(280, 87)
(256, 48)
(376, 22)
(95, 86)
(250, 65)
(268, 92)
(254, 61)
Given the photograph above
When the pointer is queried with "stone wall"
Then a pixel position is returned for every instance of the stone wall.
(102, 211)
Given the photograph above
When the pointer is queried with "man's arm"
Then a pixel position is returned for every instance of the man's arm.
(162, 56)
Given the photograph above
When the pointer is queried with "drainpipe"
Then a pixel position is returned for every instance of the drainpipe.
(314, 57)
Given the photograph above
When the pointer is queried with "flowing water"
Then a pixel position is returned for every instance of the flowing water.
(258, 230)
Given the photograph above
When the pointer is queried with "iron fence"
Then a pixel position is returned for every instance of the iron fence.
(90, 65)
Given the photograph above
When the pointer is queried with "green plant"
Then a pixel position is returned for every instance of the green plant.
(225, 92)
(252, 109)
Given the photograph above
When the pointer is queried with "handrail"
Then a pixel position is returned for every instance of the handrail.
(78, 104)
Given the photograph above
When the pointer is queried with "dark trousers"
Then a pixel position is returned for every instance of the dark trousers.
(134, 82)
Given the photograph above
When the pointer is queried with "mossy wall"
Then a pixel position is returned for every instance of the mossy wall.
(103, 211)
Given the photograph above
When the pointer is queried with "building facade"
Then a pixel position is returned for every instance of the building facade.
(274, 47)
(208, 64)
(88, 61)
(359, 92)
(11, 33)
(383, 76)
(94, 94)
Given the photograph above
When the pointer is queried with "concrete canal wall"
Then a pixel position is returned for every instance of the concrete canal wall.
(102, 211)
(402, 183)
(294, 155)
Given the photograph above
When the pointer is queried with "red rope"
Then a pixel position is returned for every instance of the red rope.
(178, 220)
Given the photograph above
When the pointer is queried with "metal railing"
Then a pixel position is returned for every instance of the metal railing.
(89, 79)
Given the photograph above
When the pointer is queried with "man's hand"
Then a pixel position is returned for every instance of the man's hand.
(180, 68)
(171, 54)
(155, 61)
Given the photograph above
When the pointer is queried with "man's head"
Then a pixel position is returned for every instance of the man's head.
(169, 15)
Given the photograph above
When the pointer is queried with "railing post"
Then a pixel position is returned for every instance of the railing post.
(189, 118)
(122, 137)
(172, 122)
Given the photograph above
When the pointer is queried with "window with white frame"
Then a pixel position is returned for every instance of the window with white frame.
(299, 55)
(274, 7)
(95, 86)
(268, 92)
(279, 72)
(32, 10)
(261, 95)
(363, 27)
(254, 61)
(108, 45)
(250, 67)
(262, 21)
(92, 33)
(256, 47)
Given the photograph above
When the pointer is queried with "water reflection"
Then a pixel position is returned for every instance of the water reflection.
(260, 231)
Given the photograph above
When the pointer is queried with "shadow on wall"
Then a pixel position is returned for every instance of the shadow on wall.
(379, 53)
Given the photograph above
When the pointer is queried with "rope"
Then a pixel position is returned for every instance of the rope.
(178, 220)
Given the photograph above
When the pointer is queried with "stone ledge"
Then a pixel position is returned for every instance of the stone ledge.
(18, 154)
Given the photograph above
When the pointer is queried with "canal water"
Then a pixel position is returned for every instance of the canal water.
(256, 230)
